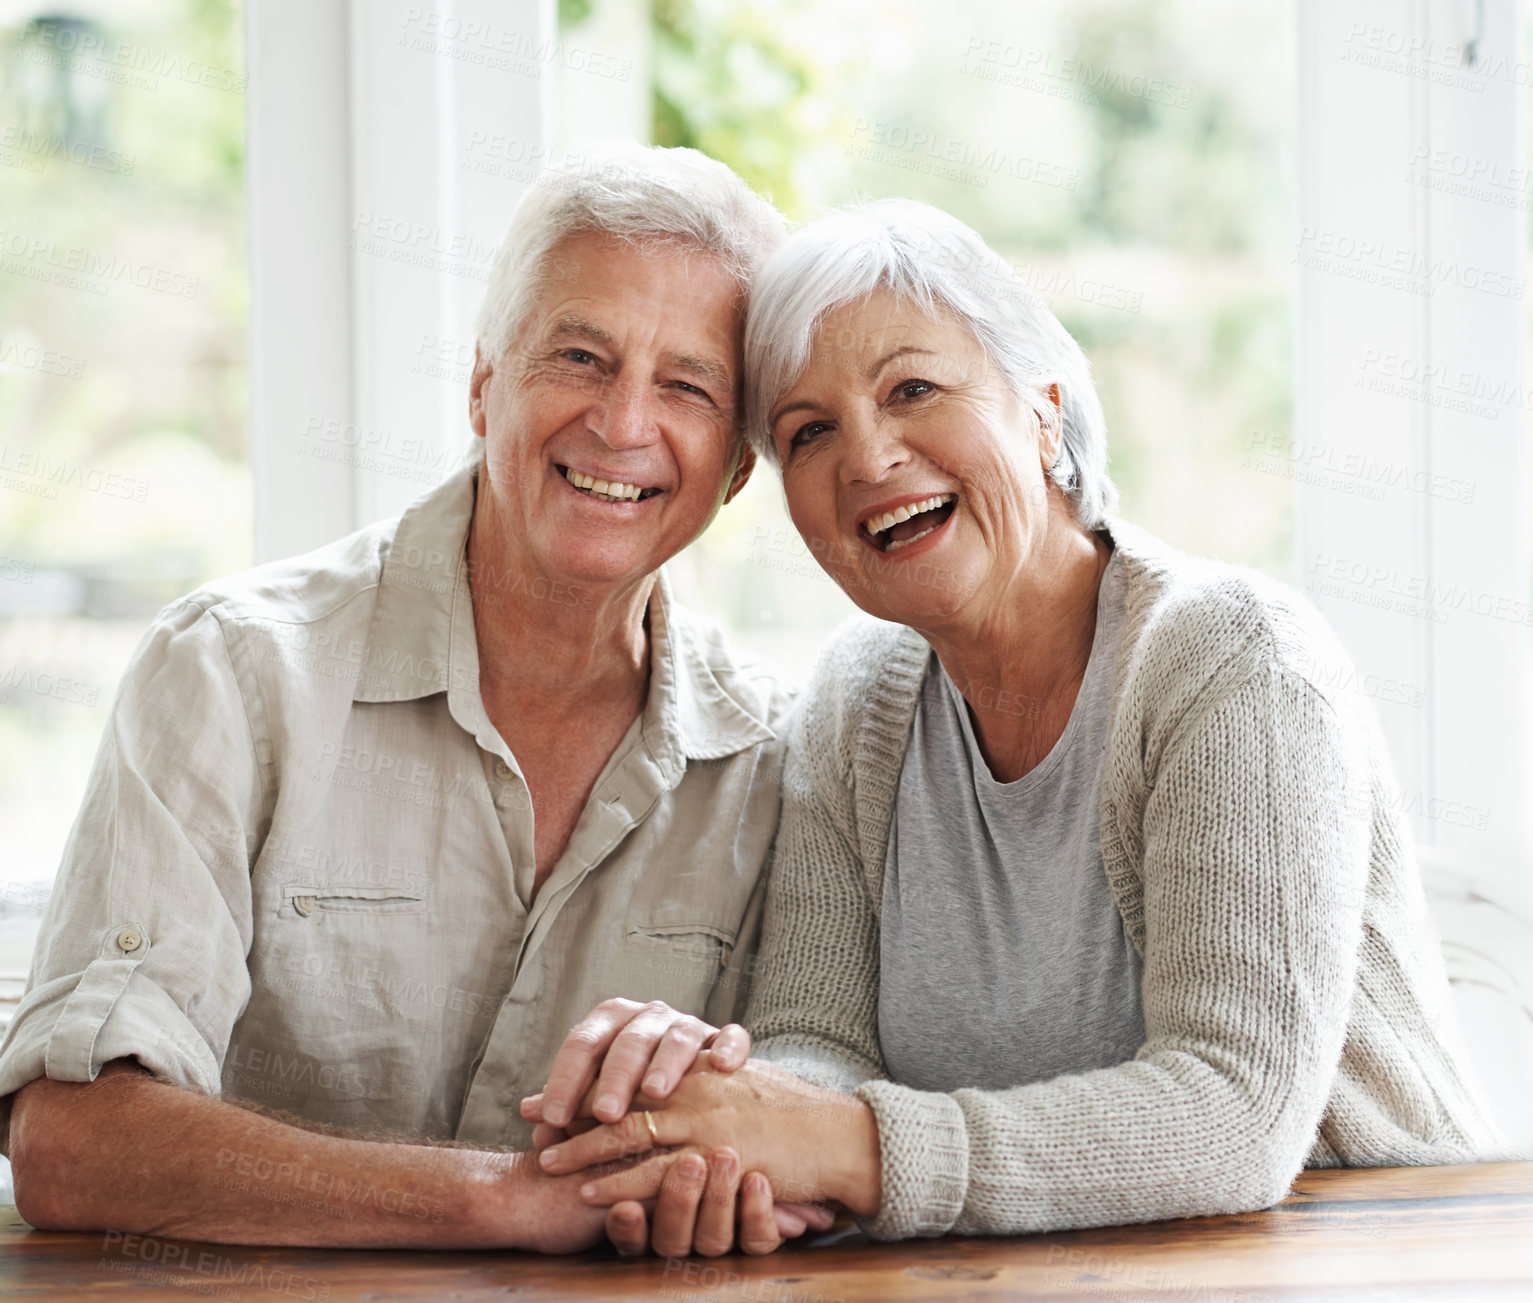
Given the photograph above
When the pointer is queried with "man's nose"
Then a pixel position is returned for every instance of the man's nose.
(624, 415)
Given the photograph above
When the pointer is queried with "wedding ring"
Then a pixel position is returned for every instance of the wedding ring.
(650, 1123)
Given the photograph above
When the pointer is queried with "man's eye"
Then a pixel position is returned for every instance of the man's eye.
(808, 433)
(579, 355)
(693, 389)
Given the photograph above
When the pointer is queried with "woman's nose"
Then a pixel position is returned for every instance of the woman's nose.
(871, 449)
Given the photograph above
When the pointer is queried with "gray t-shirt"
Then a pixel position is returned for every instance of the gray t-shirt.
(1003, 958)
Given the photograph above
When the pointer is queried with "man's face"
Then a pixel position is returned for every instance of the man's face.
(610, 429)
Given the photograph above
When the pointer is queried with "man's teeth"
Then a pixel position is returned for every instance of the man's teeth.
(892, 518)
(608, 490)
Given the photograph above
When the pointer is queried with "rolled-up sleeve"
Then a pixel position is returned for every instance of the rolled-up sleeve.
(142, 950)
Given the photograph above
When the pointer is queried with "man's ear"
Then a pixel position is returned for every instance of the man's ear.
(476, 383)
(1051, 427)
(742, 471)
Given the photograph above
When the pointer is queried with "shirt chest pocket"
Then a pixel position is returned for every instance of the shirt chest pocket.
(702, 946)
(680, 962)
(305, 901)
(328, 953)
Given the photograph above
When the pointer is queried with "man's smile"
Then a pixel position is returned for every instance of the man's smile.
(606, 490)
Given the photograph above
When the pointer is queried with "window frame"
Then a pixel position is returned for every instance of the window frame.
(370, 239)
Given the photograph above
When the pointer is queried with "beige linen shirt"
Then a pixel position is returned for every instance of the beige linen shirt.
(302, 872)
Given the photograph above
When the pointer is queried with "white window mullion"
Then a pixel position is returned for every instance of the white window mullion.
(388, 143)
(297, 198)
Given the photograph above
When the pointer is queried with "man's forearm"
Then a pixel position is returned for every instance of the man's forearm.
(129, 1153)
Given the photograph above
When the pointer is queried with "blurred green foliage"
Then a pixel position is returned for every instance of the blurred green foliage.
(727, 83)
(123, 156)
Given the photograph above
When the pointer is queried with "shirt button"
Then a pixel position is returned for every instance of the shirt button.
(129, 940)
(502, 770)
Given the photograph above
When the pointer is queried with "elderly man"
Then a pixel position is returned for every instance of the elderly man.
(371, 829)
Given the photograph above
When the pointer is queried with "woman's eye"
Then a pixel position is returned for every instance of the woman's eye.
(913, 388)
(808, 433)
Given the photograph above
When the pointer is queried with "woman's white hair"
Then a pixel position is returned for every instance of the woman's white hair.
(931, 259)
(642, 194)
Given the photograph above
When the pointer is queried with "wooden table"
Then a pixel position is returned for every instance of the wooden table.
(1440, 1233)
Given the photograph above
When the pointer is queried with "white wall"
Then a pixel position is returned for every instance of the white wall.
(1411, 428)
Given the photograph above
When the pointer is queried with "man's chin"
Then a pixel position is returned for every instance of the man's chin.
(593, 572)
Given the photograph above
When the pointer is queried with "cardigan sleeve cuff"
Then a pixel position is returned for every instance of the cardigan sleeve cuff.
(924, 1145)
(814, 1063)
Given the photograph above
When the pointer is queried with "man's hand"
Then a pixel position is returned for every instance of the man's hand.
(695, 1212)
(529, 1210)
(629, 1043)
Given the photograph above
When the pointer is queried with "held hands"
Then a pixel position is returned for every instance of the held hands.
(696, 1209)
(628, 1041)
(810, 1144)
(594, 1078)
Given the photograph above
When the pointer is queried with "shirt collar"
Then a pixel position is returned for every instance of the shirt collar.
(699, 707)
(409, 639)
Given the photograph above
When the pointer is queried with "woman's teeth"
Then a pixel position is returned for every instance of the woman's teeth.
(607, 490)
(892, 518)
(894, 544)
(880, 527)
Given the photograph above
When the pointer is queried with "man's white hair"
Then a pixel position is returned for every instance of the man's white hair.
(931, 259)
(642, 194)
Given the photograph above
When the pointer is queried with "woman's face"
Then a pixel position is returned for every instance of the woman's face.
(899, 412)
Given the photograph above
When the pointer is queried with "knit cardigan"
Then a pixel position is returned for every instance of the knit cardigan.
(1296, 1008)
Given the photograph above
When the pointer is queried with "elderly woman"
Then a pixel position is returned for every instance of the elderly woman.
(1086, 888)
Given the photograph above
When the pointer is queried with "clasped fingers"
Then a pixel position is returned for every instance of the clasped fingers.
(635, 1133)
(620, 1044)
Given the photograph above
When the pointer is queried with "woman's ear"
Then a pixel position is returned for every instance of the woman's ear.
(1051, 425)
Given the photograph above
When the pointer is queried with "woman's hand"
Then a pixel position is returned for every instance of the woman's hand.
(629, 1042)
(811, 1144)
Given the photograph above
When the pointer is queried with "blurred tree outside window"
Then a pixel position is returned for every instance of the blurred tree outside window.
(123, 472)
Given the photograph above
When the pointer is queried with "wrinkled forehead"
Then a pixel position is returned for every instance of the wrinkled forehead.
(598, 288)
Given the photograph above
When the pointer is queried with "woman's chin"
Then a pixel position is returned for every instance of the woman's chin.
(922, 583)
(921, 600)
